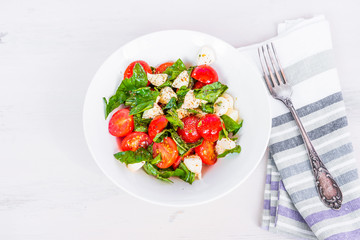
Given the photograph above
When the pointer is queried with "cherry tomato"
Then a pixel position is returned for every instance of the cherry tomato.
(209, 127)
(168, 150)
(205, 74)
(189, 133)
(157, 125)
(181, 158)
(198, 85)
(206, 151)
(121, 123)
(163, 67)
(119, 141)
(129, 70)
(135, 140)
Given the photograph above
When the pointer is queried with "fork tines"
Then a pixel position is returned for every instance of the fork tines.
(273, 73)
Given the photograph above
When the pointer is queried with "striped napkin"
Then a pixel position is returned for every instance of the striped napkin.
(291, 203)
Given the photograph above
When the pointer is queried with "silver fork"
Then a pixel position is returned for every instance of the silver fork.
(328, 190)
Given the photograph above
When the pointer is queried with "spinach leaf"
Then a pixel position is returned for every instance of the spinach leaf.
(230, 125)
(182, 146)
(174, 119)
(171, 103)
(140, 124)
(161, 135)
(207, 108)
(129, 157)
(236, 149)
(144, 100)
(138, 80)
(210, 92)
(151, 170)
(181, 93)
(174, 70)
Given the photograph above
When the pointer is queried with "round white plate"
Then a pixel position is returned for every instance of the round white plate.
(245, 85)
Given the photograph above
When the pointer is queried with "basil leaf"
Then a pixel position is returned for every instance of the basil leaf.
(156, 160)
(160, 136)
(150, 148)
(129, 157)
(210, 92)
(223, 132)
(236, 149)
(181, 93)
(187, 176)
(191, 80)
(182, 146)
(174, 70)
(192, 111)
(137, 80)
(151, 170)
(141, 124)
(167, 83)
(174, 119)
(207, 108)
(230, 125)
(144, 100)
(171, 103)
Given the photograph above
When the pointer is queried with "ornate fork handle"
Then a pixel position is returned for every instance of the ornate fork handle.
(329, 191)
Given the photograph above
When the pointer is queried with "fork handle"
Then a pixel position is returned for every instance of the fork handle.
(327, 188)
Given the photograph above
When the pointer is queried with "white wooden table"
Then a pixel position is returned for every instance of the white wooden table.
(50, 187)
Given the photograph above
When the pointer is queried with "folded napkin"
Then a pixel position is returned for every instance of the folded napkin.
(291, 202)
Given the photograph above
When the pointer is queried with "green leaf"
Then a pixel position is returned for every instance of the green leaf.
(191, 80)
(182, 146)
(181, 93)
(174, 70)
(144, 99)
(167, 83)
(140, 124)
(174, 119)
(223, 132)
(187, 176)
(236, 149)
(171, 103)
(207, 108)
(210, 92)
(156, 160)
(151, 170)
(161, 135)
(129, 157)
(193, 111)
(138, 80)
(230, 125)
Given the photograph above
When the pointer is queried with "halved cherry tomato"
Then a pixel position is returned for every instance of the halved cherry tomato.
(189, 133)
(205, 74)
(157, 125)
(121, 123)
(129, 70)
(198, 85)
(209, 127)
(181, 158)
(135, 140)
(163, 67)
(168, 150)
(119, 141)
(206, 152)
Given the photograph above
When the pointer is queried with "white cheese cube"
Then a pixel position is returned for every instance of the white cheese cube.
(229, 98)
(153, 112)
(182, 113)
(190, 102)
(205, 56)
(223, 145)
(194, 164)
(234, 114)
(135, 166)
(221, 106)
(166, 94)
(157, 79)
(181, 80)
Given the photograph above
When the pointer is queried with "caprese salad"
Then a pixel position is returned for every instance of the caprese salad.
(173, 118)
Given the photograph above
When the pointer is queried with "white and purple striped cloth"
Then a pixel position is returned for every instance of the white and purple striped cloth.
(291, 203)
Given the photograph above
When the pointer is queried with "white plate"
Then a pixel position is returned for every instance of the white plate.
(245, 84)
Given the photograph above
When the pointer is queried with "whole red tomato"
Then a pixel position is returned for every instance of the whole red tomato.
(209, 127)
(205, 74)
(189, 133)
